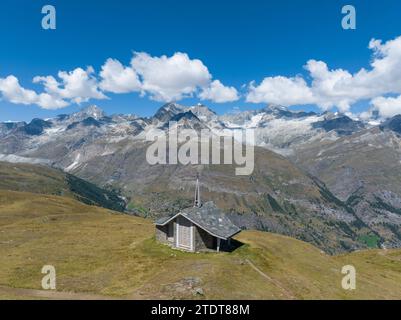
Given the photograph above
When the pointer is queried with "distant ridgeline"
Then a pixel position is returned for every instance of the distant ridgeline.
(47, 180)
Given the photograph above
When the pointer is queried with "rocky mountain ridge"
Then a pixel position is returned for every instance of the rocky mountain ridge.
(110, 152)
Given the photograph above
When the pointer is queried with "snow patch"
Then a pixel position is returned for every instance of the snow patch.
(73, 165)
(18, 159)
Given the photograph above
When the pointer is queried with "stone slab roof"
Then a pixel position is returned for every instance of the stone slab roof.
(208, 217)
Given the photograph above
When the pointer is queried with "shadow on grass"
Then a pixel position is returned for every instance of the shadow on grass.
(231, 246)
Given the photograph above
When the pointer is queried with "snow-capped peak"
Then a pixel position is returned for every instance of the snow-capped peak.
(275, 107)
(91, 111)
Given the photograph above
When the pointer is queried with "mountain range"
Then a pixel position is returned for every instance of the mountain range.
(324, 178)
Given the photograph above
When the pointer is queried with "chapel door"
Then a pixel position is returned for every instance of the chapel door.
(184, 227)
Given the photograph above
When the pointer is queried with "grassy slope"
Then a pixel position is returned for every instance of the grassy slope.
(46, 180)
(99, 251)
(277, 197)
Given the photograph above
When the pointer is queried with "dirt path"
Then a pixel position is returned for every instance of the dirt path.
(287, 293)
(19, 293)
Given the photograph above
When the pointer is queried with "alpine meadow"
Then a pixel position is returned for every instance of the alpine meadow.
(214, 153)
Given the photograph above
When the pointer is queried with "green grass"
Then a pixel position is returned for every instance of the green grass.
(371, 240)
(98, 251)
(46, 180)
(137, 208)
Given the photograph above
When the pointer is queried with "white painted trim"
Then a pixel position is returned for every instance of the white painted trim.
(177, 225)
(192, 237)
(164, 223)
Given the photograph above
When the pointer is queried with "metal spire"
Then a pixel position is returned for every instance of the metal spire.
(197, 202)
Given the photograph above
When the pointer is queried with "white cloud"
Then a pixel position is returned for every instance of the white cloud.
(118, 79)
(162, 78)
(330, 87)
(219, 93)
(387, 107)
(340, 88)
(74, 87)
(77, 86)
(12, 91)
(280, 90)
(170, 78)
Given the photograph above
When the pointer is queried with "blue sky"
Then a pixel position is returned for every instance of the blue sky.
(238, 42)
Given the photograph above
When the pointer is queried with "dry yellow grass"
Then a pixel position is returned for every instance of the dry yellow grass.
(102, 253)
